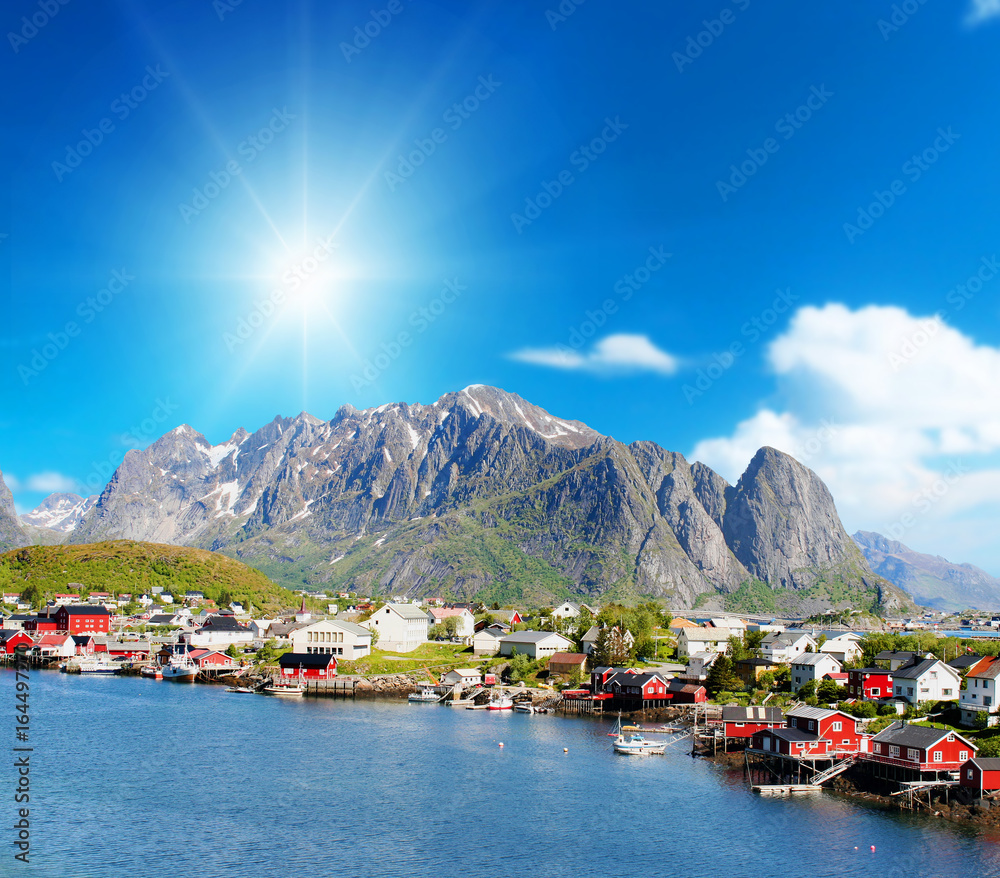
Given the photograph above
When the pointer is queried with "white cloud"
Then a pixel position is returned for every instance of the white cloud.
(619, 352)
(46, 483)
(981, 11)
(900, 416)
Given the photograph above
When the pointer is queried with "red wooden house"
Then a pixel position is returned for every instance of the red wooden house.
(841, 729)
(599, 676)
(211, 659)
(980, 775)
(10, 640)
(41, 624)
(869, 684)
(920, 748)
(83, 619)
(687, 693)
(744, 722)
(312, 666)
(791, 742)
(84, 644)
(131, 649)
(638, 691)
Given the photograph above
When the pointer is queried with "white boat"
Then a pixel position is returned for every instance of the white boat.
(154, 671)
(500, 701)
(524, 707)
(285, 689)
(241, 690)
(180, 669)
(636, 745)
(98, 666)
(426, 695)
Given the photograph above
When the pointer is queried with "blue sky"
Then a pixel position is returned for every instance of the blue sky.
(716, 226)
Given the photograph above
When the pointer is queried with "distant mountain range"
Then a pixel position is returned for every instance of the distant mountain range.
(59, 512)
(483, 494)
(930, 580)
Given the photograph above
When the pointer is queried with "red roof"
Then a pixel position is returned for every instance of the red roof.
(52, 640)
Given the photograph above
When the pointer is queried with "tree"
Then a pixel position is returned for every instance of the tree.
(807, 689)
(437, 632)
(736, 650)
(234, 651)
(32, 594)
(751, 643)
(828, 691)
(614, 648)
(451, 626)
(722, 677)
(989, 748)
(519, 667)
(982, 720)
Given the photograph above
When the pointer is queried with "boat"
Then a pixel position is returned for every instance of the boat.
(500, 701)
(98, 666)
(154, 671)
(425, 695)
(285, 689)
(180, 669)
(524, 707)
(241, 690)
(637, 745)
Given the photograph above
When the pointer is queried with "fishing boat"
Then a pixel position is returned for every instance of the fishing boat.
(524, 707)
(180, 669)
(425, 695)
(154, 671)
(500, 701)
(98, 666)
(285, 688)
(637, 745)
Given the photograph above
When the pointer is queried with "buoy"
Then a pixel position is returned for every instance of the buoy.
(501, 747)
(565, 749)
(873, 848)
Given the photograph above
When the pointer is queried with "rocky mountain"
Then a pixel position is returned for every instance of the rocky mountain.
(59, 512)
(484, 494)
(930, 579)
(11, 532)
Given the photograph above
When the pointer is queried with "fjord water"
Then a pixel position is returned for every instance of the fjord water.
(135, 777)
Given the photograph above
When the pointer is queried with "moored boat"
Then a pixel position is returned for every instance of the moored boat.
(284, 689)
(500, 701)
(636, 745)
(180, 669)
(98, 666)
(241, 690)
(425, 695)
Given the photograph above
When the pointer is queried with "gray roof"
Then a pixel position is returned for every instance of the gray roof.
(706, 634)
(792, 734)
(408, 611)
(752, 714)
(811, 712)
(532, 637)
(891, 654)
(814, 658)
(908, 735)
(987, 764)
(914, 671)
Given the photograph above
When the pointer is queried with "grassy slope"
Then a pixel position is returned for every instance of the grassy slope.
(133, 567)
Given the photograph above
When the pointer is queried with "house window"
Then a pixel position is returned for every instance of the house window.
(876, 690)
(909, 690)
(968, 774)
(894, 751)
(963, 755)
(812, 725)
(946, 693)
(937, 755)
(837, 727)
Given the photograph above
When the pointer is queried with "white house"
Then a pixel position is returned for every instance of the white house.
(979, 691)
(812, 666)
(784, 647)
(534, 644)
(926, 680)
(844, 646)
(698, 665)
(332, 637)
(568, 610)
(464, 678)
(466, 621)
(487, 641)
(219, 632)
(589, 640)
(401, 627)
(692, 640)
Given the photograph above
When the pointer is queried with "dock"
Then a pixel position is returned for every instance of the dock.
(787, 789)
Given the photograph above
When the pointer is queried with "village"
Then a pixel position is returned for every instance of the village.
(796, 706)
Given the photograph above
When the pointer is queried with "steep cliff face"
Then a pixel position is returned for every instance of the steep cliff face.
(480, 493)
(12, 534)
(930, 579)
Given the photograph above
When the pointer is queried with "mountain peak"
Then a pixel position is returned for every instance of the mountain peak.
(60, 512)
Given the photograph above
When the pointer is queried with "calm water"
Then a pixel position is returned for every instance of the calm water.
(133, 777)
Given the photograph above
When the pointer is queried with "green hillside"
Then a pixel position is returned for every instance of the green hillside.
(131, 567)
